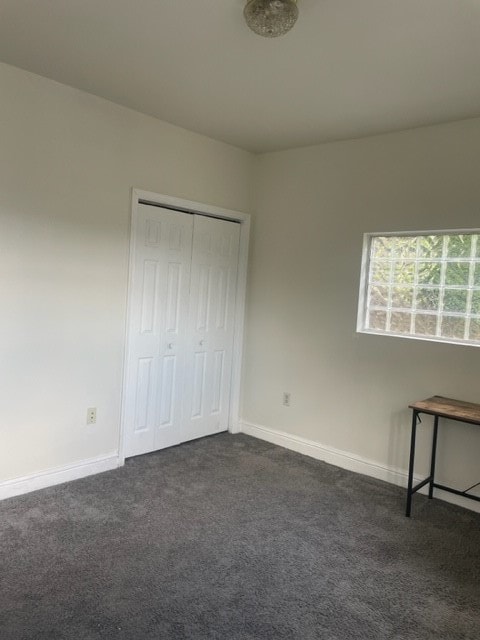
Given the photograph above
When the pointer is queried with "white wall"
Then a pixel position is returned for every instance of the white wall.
(68, 161)
(350, 391)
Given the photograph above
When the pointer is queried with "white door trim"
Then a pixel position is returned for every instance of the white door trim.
(179, 204)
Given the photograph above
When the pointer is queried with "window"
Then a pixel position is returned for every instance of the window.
(422, 285)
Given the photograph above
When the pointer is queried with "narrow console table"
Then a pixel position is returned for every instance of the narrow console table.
(438, 407)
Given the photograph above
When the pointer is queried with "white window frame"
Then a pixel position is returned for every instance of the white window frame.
(364, 281)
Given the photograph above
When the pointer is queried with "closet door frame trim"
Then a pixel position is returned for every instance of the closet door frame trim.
(140, 196)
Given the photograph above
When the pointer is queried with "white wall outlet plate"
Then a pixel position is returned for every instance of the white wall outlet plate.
(91, 415)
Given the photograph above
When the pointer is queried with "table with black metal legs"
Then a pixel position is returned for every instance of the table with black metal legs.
(438, 407)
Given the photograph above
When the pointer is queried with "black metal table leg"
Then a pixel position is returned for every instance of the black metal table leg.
(411, 464)
(434, 455)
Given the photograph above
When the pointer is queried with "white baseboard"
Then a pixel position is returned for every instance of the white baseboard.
(25, 484)
(347, 460)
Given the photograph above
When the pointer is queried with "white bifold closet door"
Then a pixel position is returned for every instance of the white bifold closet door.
(210, 327)
(179, 363)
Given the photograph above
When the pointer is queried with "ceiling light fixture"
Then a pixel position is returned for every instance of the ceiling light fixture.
(271, 18)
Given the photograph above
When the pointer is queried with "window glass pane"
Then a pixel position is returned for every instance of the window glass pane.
(400, 322)
(377, 320)
(476, 302)
(476, 278)
(380, 271)
(382, 247)
(459, 246)
(429, 272)
(428, 299)
(430, 247)
(453, 327)
(378, 296)
(425, 325)
(455, 300)
(457, 273)
(406, 247)
(402, 297)
(404, 272)
(474, 333)
(426, 286)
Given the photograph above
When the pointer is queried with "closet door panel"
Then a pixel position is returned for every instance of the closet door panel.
(211, 326)
(157, 337)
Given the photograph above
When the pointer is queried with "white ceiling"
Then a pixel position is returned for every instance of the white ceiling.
(349, 68)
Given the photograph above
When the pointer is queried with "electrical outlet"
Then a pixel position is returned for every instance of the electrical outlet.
(286, 399)
(92, 415)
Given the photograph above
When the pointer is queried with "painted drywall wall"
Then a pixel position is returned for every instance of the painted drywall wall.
(68, 161)
(350, 391)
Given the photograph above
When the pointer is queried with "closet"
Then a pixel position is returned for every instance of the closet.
(181, 328)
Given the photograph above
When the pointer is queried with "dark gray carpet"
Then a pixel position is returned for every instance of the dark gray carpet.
(232, 538)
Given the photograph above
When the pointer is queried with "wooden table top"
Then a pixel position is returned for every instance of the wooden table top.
(449, 408)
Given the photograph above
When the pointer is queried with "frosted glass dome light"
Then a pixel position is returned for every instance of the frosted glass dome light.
(271, 18)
